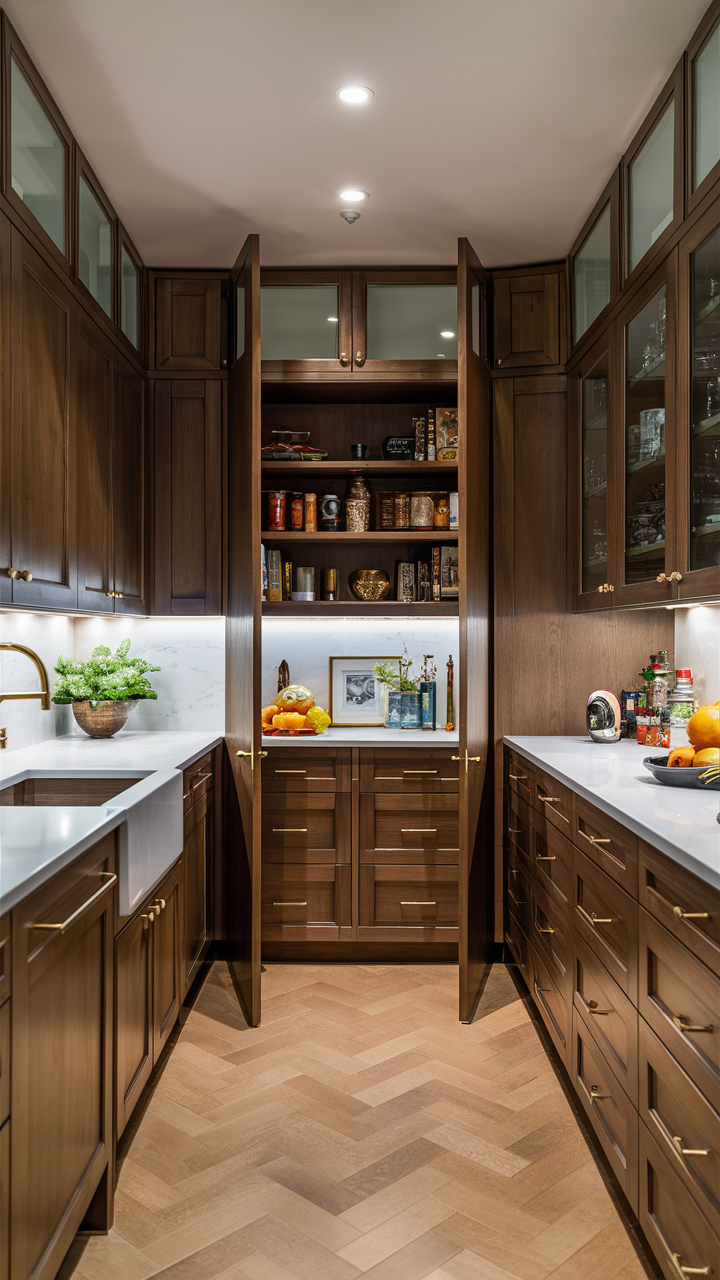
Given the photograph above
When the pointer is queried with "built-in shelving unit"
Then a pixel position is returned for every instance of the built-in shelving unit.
(372, 535)
(360, 609)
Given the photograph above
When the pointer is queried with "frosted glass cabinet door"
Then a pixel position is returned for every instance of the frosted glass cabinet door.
(405, 321)
(591, 275)
(651, 192)
(305, 322)
(38, 159)
(95, 247)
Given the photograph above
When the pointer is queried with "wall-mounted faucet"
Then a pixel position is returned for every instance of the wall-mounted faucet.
(44, 692)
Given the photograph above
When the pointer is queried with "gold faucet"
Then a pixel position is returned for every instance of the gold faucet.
(43, 694)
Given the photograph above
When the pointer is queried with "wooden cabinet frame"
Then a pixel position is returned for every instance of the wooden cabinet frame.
(693, 197)
(438, 370)
(585, 601)
(674, 88)
(611, 196)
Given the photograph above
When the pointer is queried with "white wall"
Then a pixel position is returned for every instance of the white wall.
(49, 635)
(697, 646)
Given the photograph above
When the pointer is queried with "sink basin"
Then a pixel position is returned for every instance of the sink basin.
(68, 787)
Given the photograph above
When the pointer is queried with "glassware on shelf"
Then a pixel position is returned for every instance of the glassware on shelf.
(704, 531)
(594, 506)
(645, 338)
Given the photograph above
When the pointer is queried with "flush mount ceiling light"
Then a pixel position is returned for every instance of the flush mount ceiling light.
(350, 215)
(447, 333)
(353, 195)
(354, 93)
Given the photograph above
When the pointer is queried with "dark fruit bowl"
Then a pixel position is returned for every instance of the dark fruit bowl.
(704, 779)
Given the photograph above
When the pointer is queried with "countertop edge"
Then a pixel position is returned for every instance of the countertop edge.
(47, 870)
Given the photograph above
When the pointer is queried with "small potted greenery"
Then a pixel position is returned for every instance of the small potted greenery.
(403, 694)
(104, 690)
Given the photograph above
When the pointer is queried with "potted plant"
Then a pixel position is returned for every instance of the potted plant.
(104, 690)
(403, 694)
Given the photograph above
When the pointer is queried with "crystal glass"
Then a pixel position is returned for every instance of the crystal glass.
(299, 322)
(707, 107)
(412, 322)
(594, 481)
(591, 275)
(37, 159)
(651, 186)
(130, 299)
(645, 337)
(705, 446)
(95, 248)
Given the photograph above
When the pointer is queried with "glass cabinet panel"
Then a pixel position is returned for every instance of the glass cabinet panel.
(38, 158)
(411, 322)
(707, 107)
(594, 481)
(299, 322)
(591, 275)
(645, 442)
(651, 187)
(95, 248)
(130, 299)
(705, 444)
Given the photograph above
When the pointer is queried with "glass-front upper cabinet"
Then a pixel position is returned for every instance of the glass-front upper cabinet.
(95, 246)
(592, 274)
(406, 321)
(38, 159)
(305, 321)
(594, 480)
(653, 176)
(130, 296)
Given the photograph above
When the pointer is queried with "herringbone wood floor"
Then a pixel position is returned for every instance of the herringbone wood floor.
(361, 1130)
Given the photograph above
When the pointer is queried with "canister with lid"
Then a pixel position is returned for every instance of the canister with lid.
(422, 510)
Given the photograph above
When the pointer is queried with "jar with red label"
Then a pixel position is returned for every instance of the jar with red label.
(276, 509)
(311, 513)
(297, 510)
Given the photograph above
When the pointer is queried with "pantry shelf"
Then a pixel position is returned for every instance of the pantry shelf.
(376, 467)
(383, 535)
(360, 609)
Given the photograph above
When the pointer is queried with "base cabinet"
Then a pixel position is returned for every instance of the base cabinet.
(198, 789)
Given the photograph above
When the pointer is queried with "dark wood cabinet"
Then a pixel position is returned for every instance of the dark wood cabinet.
(197, 843)
(607, 1106)
(188, 496)
(190, 322)
(133, 1015)
(529, 318)
(61, 1094)
(129, 492)
(680, 1235)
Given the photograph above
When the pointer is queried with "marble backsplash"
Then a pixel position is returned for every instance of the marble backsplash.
(697, 646)
(49, 635)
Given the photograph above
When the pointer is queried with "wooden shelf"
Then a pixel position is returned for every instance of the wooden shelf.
(359, 609)
(648, 372)
(706, 530)
(649, 549)
(632, 467)
(378, 535)
(708, 427)
(377, 467)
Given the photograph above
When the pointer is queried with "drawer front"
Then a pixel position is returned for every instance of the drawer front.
(686, 905)
(410, 772)
(608, 1014)
(679, 1235)
(553, 800)
(518, 826)
(682, 1121)
(516, 940)
(197, 780)
(4, 957)
(409, 895)
(301, 896)
(552, 860)
(409, 828)
(607, 918)
(608, 1108)
(311, 828)
(680, 999)
(552, 936)
(313, 769)
(607, 842)
(520, 777)
(550, 1000)
(4, 1062)
(519, 891)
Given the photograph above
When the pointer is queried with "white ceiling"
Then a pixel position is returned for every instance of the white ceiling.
(501, 120)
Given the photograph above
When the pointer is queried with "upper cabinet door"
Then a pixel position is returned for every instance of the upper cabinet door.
(698, 409)
(190, 323)
(129, 497)
(594, 263)
(96, 236)
(131, 285)
(703, 110)
(305, 324)
(93, 413)
(591, 409)
(528, 319)
(405, 324)
(653, 178)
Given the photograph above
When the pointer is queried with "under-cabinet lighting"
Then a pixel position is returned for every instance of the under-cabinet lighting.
(447, 333)
(354, 93)
(354, 195)
(682, 606)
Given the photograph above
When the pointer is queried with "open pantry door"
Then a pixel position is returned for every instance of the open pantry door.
(243, 638)
(473, 709)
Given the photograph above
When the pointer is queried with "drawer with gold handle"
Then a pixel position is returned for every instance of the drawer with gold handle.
(552, 860)
(553, 800)
(687, 906)
(610, 1017)
(678, 1232)
(607, 1106)
(551, 1003)
(552, 936)
(608, 843)
(606, 918)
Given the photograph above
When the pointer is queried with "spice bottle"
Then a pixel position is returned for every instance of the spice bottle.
(441, 512)
(297, 510)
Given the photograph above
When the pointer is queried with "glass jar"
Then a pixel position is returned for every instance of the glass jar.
(357, 507)
(422, 510)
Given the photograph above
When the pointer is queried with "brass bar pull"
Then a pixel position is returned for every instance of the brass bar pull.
(541, 990)
(419, 770)
(291, 770)
(545, 857)
(289, 904)
(591, 918)
(596, 1096)
(594, 839)
(278, 830)
(689, 1271)
(418, 831)
(417, 904)
(540, 928)
(690, 1151)
(550, 799)
(243, 753)
(518, 777)
(690, 915)
(456, 757)
(519, 902)
(112, 879)
(683, 1025)
(515, 831)
(595, 1011)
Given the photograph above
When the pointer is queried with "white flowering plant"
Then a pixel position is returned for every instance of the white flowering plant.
(107, 677)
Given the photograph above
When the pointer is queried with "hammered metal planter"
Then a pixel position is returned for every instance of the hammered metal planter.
(101, 719)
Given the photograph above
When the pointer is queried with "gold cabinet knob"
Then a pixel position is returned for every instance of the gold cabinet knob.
(606, 586)
(344, 358)
(14, 574)
(662, 578)
(359, 358)
(675, 576)
(26, 575)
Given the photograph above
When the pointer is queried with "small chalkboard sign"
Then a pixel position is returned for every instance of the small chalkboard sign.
(399, 448)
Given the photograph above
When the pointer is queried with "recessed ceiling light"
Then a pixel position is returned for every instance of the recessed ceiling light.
(447, 333)
(354, 195)
(354, 93)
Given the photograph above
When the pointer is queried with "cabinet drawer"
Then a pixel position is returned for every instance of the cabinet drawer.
(518, 822)
(4, 1062)
(679, 1235)
(552, 937)
(197, 781)
(309, 770)
(301, 896)
(551, 1002)
(680, 998)
(552, 860)
(608, 1014)
(311, 828)
(519, 946)
(606, 917)
(519, 892)
(409, 895)
(608, 1108)
(682, 1121)
(607, 842)
(409, 828)
(4, 957)
(686, 905)
(420, 771)
(553, 800)
(520, 777)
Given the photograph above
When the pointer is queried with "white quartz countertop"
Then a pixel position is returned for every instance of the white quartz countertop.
(361, 737)
(679, 821)
(36, 843)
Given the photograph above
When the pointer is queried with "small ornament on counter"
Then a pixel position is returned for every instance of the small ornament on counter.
(330, 508)
(454, 511)
(276, 510)
(428, 689)
(399, 448)
(384, 510)
(311, 513)
(401, 510)
(420, 433)
(305, 578)
(329, 584)
(602, 716)
(410, 709)
(441, 511)
(431, 445)
(422, 510)
(297, 510)
(406, 581)
(450, 698)
(283, 676)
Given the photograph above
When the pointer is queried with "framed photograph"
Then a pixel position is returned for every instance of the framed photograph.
(355, 695)
(449, 575)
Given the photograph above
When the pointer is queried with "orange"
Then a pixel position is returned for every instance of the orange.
(708, 756)
(704, 727)
(681, 758)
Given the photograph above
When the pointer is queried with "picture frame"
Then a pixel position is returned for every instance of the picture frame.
(449, 576)
(356, 698)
